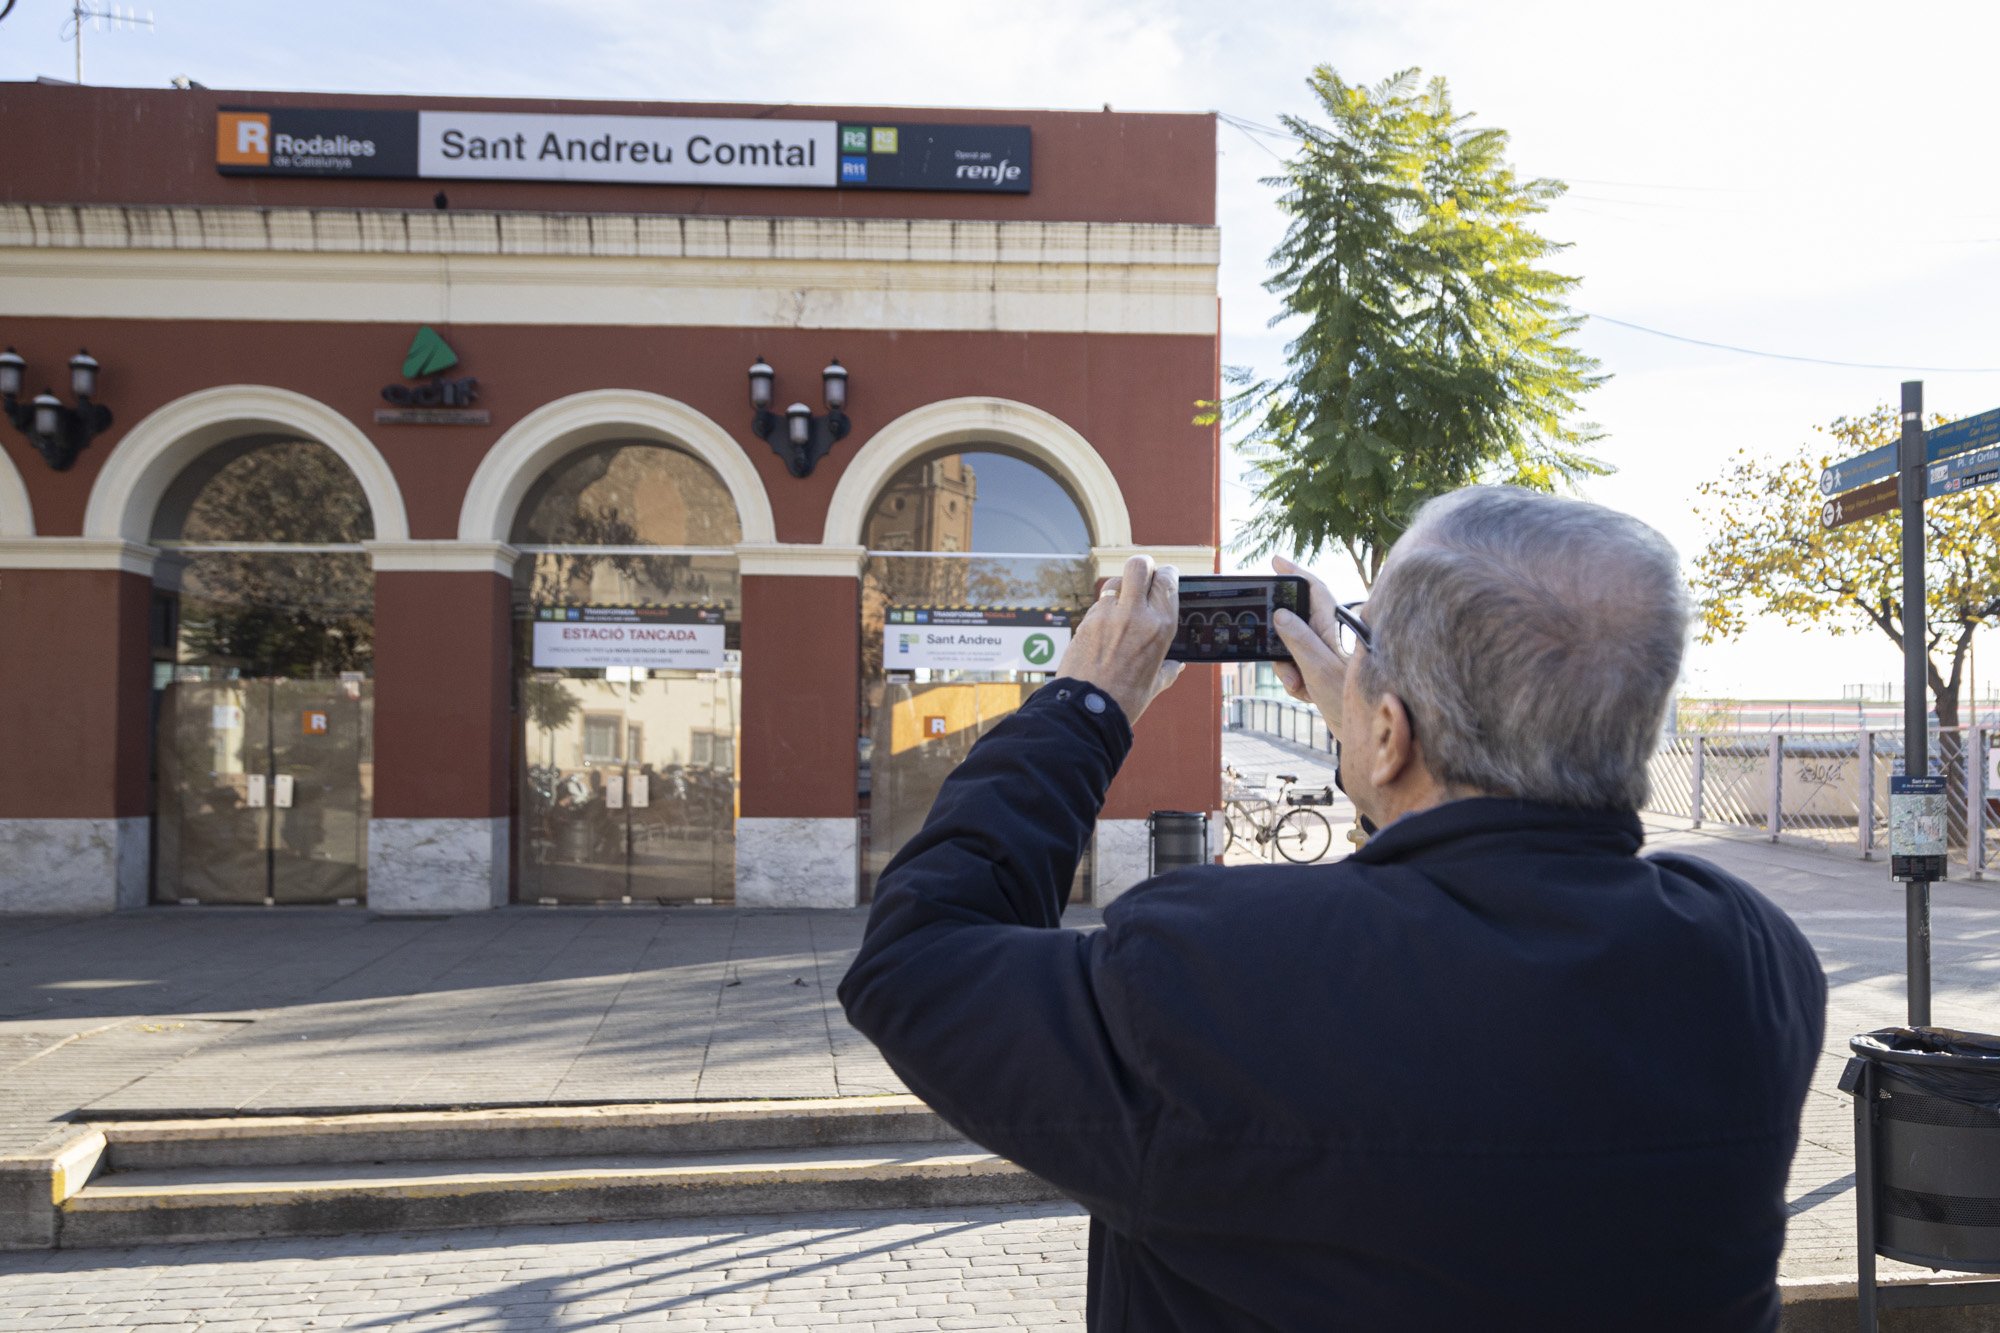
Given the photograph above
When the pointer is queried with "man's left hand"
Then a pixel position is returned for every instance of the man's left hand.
(1121, 646)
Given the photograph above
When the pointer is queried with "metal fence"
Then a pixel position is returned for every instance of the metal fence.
(1829, 788)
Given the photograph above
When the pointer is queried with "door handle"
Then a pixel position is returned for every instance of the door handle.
(253, 795)
(281, 793)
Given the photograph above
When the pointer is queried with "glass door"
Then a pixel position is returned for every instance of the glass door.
(629, 785)
(265, 791)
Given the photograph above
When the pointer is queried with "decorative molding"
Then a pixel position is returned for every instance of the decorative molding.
(637, 293)
(77, 553)
(1187, 559)
(964, 421)
(156, 451)
(549, 432)
(17, 511)
(442, 558)
(604, 235)
(801, 561)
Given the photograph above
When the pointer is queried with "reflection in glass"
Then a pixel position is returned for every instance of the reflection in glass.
(265, 491)
(628, 494)
(294, 615)
(978, 528)
(628, 775)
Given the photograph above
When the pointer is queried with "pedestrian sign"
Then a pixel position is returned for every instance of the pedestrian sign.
(1916, 828)
(1946, 441)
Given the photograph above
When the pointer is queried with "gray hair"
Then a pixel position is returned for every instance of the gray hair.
(1535, 642)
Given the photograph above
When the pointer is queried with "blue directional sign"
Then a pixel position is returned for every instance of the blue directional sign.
(1959, 436)
(1961, 472)
(1947, 441)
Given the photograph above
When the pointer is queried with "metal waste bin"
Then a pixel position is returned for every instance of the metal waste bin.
(1178, 838)
(1926, 1161)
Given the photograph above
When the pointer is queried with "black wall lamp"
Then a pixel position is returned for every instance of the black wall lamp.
(797, 436)
(57, 432)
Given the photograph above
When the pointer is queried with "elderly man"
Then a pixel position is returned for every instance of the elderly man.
(1495, 1070)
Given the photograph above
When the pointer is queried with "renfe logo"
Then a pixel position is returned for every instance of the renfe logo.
(243, 139)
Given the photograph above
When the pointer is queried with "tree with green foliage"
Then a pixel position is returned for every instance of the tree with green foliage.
(1435, 350)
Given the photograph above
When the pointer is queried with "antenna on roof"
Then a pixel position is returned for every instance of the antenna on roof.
(115, 17)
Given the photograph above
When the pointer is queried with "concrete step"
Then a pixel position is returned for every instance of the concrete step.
(216, 1203)
(518, 1132)
(232, 1178)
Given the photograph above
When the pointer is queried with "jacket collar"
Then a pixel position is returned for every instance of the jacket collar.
(1522, 825)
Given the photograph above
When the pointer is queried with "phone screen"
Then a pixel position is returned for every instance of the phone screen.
(1227, 617)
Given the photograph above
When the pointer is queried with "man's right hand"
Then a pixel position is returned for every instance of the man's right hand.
(1317, 673)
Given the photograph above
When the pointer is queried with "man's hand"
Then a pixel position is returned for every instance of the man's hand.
(1121, 646)
(1317, 672)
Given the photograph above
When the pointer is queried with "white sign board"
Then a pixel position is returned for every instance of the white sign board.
(644, 150)
(602, 637)
(961, 639)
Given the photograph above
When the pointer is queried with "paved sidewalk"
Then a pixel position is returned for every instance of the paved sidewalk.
(1019, 1266)
(219, 1010)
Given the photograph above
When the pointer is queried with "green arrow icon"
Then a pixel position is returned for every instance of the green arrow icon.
(1038, 648)
(429, 354)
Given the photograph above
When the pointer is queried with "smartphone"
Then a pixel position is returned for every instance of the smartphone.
(1227, 617)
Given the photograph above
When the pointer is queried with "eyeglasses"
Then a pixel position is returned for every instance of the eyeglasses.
(1350, 631)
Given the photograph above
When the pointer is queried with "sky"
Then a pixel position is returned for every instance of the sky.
(1806, 179)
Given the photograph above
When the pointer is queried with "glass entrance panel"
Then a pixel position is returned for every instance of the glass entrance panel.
(322, 789)
(212, 827)
(630, 703)
(978, 565)
(264, 763)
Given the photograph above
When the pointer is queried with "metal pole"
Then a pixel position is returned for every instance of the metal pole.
(1974, 750)
(1700, 754)
(1774, 822)
(1865, 804)
(1864, 1196)
(1916, 710)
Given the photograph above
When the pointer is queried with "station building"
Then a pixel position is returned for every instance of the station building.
(430, 504)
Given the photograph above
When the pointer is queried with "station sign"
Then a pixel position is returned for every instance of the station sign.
(973, 639)
(614, 149)
(678, 638)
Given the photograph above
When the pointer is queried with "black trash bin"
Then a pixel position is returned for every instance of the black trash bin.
(1178, 838)
(1926, 1158)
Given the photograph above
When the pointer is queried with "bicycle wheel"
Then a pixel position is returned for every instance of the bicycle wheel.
(1303, 836)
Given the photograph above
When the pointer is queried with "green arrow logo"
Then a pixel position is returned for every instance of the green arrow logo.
(429, 354)
(1038, 648)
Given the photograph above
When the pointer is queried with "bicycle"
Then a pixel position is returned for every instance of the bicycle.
(1288, 821)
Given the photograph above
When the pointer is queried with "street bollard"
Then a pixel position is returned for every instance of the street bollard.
(1700, 753)
(1975, 803)
(1776, 820)
(1865, 799)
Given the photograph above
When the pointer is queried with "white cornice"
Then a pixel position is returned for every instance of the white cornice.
(799, 560)
(605, 235)
(76, 553)
(1111, 560)
(442, 557)
(287, 265)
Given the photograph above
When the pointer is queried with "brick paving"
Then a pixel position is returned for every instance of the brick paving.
(1001, 1267)
(225, 1009)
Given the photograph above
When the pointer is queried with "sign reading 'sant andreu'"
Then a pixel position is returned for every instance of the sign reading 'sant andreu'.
(632, 150)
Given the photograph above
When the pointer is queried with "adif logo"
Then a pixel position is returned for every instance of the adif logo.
(243, 139)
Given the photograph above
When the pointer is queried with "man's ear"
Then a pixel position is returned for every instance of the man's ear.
(1393, 741)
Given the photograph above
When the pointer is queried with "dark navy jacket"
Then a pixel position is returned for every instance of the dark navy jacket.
(1493, 1071)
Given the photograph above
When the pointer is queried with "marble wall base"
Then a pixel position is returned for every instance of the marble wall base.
(437, 865)
(1119, 859)
(74, 865)
(797, 863)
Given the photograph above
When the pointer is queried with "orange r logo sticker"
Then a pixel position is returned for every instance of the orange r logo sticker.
(242, 139)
